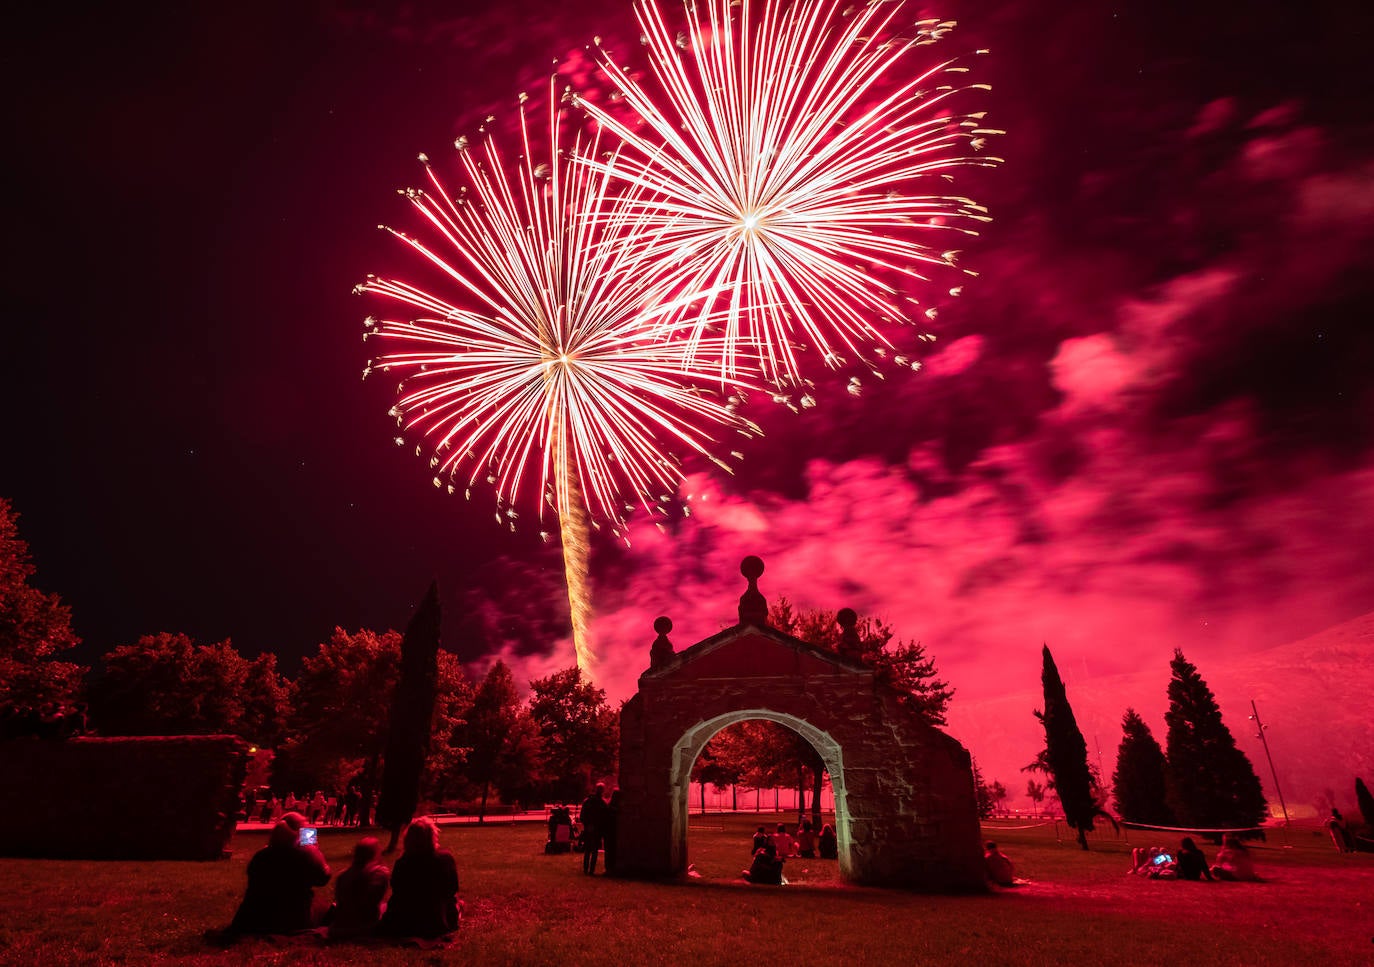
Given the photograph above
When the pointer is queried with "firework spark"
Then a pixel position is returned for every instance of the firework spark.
(775, 158)
(545, 373)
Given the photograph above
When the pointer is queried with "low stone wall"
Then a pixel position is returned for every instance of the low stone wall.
(159, 798)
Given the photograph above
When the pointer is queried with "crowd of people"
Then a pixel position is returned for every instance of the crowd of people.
(1189, 862)
(417, 899)
(769, 851)
(354, 808)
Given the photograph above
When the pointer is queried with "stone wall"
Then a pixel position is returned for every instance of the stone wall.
(905, 805)
(171, 798)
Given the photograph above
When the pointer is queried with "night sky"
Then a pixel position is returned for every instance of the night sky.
(1149, 424)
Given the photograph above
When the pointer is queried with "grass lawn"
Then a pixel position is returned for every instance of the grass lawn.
(1315, 906)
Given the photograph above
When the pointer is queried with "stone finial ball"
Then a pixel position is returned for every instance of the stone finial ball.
(663, 624)
(751, 567)
(847, 618)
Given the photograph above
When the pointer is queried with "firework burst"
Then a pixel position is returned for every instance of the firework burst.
(545, 372)
(778, 157)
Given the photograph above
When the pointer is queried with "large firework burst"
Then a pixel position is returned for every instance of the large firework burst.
(780, 157)
(546, 371)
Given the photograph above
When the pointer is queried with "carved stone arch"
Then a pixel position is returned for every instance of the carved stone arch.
(906, 811)
(689, 747)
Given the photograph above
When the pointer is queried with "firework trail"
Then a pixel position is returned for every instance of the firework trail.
(775, 156)
(545, 372)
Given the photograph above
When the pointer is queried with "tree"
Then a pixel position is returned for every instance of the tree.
(338, 728)
(35, 628)
(580, 734)
(411, 720)
(998, 794)
(502, 739)
(982, 792)
(1035, 792)
(1139, 783)
(1065, 756)
(1211, 783)
(904, 665)
(1366, 803)
(166, 684)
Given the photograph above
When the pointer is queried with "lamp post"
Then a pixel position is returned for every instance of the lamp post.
(1255, 717)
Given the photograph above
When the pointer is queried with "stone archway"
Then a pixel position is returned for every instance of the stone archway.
(906, 812)
(687, 749)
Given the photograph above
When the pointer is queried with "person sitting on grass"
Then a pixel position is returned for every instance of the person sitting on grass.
(424, 887)
(282, 877)
(358, 893)
(998, 867)
(828, 843)
(783, 842)
(1234, 861)
(806, 841)
(761, 839)
(1192, 862)
(766, 869)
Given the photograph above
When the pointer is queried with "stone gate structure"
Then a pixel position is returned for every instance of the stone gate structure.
(905, 809)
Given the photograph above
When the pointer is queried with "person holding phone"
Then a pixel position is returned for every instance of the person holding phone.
(282, 877)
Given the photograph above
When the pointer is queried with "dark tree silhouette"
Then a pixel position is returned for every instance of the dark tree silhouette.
(166, 684)
(35, 627)
(1065, 756)
(503, 742)
(1036, 793)
(1211, 783)
(412, 718)
(1366, 802)
(580, 734)
(982, 791)
(1138, 784)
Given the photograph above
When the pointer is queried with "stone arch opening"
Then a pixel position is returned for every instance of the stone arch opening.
(905, 808)
(689, 746)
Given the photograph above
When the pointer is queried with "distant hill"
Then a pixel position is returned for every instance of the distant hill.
(1316, 697)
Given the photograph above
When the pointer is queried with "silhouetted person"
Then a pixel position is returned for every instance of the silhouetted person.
(424, 887)
(593, 816)
(766, 869)
(1191, 863)
(1234, 861)
(609, 829)
(997, 865)
(1340, 832)
(806, 841)
(828, 843)
(282, 877)
(359, 891)
(761, 839)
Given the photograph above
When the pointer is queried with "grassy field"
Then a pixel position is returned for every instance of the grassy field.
(1315, 906)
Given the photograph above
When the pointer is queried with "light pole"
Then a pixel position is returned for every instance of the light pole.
(1255, 717)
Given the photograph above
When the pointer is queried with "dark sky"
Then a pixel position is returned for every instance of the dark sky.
(1147, 425)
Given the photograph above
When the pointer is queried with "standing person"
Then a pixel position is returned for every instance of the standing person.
(350, 804)
(1340, 832)
(424, 887)
(592, 815)
(609, 827)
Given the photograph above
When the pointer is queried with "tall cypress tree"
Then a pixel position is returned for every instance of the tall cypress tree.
(1065, 757)
(412, 718)
(1138, 784)
(1211, 783)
